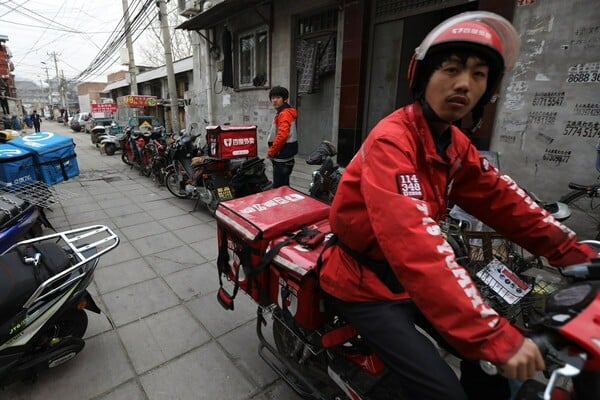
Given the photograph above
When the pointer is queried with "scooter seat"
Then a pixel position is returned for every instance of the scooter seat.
(10, 206)
(18, 280)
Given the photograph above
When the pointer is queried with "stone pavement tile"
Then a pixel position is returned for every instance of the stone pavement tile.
(205, 373)
(161, 337)
(142, 230)
(120, 275)
(280, 390)
(59, 223)
(144, 195)
(156, 244)
(180, 221)
(97, 323)
(117, 207)
(198, 280)
(99, 367)
(88, 218)
(216, 319)
(208, 248)
(154, 204)
(123, 252)
(79, 199)
(173, 260)
(81, 208)
(127, 391)
(167, 211)
(196, 233)
(131, 219)
(137, 301)
(242, 346)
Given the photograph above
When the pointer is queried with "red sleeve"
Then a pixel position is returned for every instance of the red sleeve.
(284, 121)
(424, 262)
(514, 214)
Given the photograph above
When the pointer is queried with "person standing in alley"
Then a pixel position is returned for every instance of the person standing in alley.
(3, 97)
(283, 138)
(35, 119)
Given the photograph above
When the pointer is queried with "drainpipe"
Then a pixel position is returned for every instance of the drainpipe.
(208, 77)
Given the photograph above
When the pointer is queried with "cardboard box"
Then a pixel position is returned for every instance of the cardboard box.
(231, 141)
(54, 155)
(246, 226)
(16, 167)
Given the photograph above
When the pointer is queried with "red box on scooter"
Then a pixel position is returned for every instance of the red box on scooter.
(293, 277)
(231, 141)
(246, 226)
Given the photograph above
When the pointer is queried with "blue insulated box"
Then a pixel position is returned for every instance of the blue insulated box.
(16, 167)
(54, 155)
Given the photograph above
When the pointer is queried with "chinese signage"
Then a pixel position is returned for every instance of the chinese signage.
(104, 108)
(137, 101)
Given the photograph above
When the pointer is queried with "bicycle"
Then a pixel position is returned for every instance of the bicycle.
(584, 202)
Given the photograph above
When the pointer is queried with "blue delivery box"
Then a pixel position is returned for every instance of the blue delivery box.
(16, 167)
(54, 155)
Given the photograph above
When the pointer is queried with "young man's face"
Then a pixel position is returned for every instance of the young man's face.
(456, 87)
(277, 102)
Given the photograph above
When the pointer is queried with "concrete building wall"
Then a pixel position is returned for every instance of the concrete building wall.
(548, 120)
(245, 106)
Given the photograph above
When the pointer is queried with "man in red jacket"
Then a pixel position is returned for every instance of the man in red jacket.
(392, 268)
(283, 139)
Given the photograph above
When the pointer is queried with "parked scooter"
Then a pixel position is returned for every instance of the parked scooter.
(44, 284)
(325, 180)
(19, 220)
(211, 180)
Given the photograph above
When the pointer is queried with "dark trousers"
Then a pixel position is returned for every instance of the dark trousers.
(389, 329)
(4, 103)
(36, 126)
(282, 172)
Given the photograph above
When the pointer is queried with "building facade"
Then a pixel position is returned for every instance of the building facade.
(345, 63)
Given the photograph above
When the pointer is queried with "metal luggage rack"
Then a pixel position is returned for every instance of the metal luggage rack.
(39, 194)
(98, 238)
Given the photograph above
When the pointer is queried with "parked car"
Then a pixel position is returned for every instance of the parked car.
(77, 123)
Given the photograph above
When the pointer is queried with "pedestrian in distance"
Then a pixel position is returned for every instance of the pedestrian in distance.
(4, 97)
(391, 268)
(36, 120)
(283, 138)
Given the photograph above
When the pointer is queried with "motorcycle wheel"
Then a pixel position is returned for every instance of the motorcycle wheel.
(109, 149)
(125, 158)
(72, 323)
(172, 184)
(146, 162)
(315, 369)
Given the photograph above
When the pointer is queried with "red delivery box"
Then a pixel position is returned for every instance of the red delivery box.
(246, 226)
(231, 141)
(293, 276)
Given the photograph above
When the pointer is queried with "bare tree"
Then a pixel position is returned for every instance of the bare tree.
(153, 51)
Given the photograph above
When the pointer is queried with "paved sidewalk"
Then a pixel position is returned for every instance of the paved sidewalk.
(171, 339)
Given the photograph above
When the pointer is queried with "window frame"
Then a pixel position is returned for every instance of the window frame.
(254, 32)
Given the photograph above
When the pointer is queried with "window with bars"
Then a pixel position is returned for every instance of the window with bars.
(253, 58)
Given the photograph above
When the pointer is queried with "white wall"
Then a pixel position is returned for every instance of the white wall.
(536, 129)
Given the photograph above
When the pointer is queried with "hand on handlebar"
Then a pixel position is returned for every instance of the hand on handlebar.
(524, 363)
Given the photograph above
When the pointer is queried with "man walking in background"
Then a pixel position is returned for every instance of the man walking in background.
(283, 139)
(35, 119)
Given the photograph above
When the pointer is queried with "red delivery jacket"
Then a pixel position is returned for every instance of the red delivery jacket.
(387, 207)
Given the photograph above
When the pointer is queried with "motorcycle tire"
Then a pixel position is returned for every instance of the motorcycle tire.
(146, 162)
(286, 343)
(73, 322)
(110, 148)
(125, 158)
(173, 186)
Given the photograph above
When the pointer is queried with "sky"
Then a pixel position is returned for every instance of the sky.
(76, 30)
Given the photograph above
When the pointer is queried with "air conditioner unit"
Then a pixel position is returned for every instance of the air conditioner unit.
(190, 8)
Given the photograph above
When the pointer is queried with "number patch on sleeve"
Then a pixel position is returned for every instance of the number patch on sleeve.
(409, 185)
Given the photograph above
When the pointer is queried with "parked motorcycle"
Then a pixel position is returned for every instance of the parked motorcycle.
(44, 284)
(133, 143)
(19, 220)
(325, 180)
(211, 180)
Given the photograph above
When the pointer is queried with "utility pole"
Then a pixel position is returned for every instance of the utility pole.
(164, 24)
(63, 91)
(50, 105)
(60, 85)
(132, 68)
